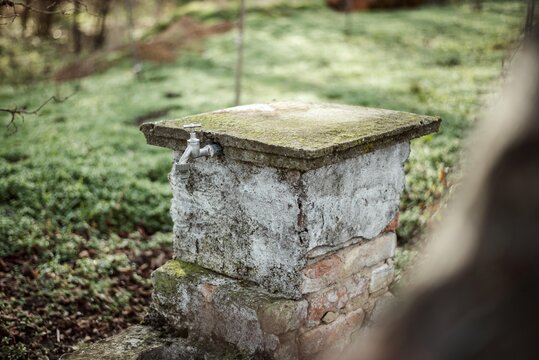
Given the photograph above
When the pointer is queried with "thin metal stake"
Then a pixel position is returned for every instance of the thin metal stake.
(137, 66)
(239, 50)
(347, 18)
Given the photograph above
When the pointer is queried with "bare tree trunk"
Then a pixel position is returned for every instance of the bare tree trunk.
(137, 66)
(75, 30)
(101, 26)
(530, 17)
(477, 5)
(158, 9)
(2, 9)
(347, 18)
(45, 17)
(239, 49)
(25, 15)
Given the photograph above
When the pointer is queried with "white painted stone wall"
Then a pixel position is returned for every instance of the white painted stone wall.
(239, 220)
(259, 223)
(354, 198)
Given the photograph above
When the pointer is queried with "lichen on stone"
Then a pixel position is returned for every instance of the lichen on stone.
(295, 135)
(179, 268)
(166, 278)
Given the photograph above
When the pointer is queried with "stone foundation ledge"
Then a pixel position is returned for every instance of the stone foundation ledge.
(205, 305)
(143, 342)
(264, 225)
(233, 319)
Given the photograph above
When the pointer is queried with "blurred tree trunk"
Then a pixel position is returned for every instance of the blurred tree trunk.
(45, 16)
(347, 19)
(25, 15)
(158, 9)
(1, 17)
(137, 65)
(477, 5)
(103, 7)
(530, 18)
(75, 29)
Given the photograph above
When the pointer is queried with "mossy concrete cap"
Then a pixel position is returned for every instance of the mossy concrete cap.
(294, 134)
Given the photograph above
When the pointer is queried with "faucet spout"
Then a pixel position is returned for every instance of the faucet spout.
(194, 151)
(186, 154)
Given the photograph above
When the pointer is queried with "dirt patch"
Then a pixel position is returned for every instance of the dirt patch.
(363, 5)
(180, 34)
(153, 115)
(162, 48)
(84, 67)
(156, 52)
(37, 322)
(187, 30)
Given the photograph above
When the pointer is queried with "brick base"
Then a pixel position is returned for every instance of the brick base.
(340, 291)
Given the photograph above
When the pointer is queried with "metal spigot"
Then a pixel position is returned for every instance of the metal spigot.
(194, 151)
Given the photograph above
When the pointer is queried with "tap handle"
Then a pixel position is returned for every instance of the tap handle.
(192, 128)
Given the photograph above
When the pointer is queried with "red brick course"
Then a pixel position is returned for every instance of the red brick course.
(393, 224)
(324, 337)
(347, 262)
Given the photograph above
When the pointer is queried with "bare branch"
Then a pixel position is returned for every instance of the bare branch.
(14, 4)
(19, 112)
(11, 18)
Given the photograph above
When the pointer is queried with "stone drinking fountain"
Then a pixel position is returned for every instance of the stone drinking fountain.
(284, 224)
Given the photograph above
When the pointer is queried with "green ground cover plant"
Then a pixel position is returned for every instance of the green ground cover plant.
(84, 201)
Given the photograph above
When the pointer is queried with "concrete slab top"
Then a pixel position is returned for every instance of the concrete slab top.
(295, 134)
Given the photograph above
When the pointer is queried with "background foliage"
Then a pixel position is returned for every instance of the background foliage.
(84, 201)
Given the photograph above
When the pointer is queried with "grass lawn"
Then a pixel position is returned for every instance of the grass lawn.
(84, 201)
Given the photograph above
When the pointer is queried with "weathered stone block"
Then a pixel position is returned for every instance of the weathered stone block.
(289, 228)
(346, 262)
(393, 224)
(329, 300)
(295, 135)
(142, 342)
(329, 317)
(282, 316)
(296, 181)
(327, 336)
(288, 349)
(381, 277)
(206, 304)
(251, 223)
(382, 306)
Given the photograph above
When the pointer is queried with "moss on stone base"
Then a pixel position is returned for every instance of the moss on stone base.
(165, 279)
(310, 134)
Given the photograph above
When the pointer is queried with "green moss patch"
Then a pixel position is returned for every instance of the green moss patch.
(166, 278)
(315, 129)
